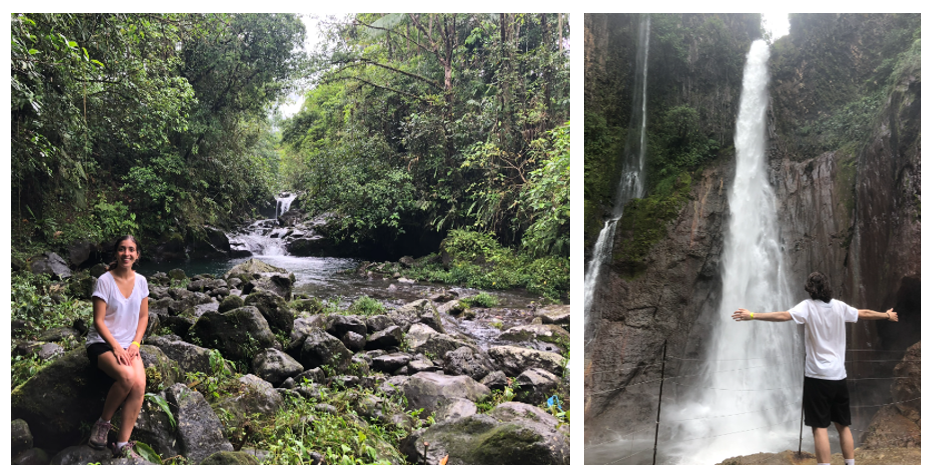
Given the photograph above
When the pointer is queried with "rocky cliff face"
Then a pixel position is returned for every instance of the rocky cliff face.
(848, 203)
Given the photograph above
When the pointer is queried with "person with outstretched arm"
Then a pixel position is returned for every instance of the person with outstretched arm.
(825, 398)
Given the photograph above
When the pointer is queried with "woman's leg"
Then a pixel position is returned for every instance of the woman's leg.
(133, 402)
(124, 380)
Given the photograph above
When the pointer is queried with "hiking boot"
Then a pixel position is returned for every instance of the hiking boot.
(98, 439)
(126, 451)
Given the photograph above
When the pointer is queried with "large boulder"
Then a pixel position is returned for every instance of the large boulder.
(190, 358)
(199, 431)
(302, 327)
(275, 366)
(514, 360)
(320, 348)
(51, 264)
(512, 433)
(160, 370)
(60, 399)
(154, 428)
(213, 244)
(467, 361)
(254, 396)
(253, 268)
(309, 246)
(21, 436)
(80, 252)
(239, 334)
(536, 385)
(430, 390)
(339, 325)
(280, 284)
(390, 337)
(426, 341)
(274, 308)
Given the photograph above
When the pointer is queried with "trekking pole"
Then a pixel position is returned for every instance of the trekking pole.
(659, 406)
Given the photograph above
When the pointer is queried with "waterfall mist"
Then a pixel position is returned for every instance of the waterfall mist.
(744, 395)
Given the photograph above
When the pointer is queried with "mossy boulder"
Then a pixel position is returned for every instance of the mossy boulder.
(239, 334)
(274, 308)
(59, 399)
(160, 370)
(252, 268)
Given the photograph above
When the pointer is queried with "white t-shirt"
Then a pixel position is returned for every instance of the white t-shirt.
(122, 316)
(825, 336)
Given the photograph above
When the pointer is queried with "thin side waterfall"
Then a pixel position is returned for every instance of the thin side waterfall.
(632, 176)
(283, 204)
(746, 396)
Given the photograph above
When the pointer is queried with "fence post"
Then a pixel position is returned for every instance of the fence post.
(659, 405)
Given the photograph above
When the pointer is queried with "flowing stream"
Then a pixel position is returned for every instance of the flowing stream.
(632, 178)
(746, 396)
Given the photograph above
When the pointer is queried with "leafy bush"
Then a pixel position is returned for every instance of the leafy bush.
(366, 305)
(545, 198)
(483, 299)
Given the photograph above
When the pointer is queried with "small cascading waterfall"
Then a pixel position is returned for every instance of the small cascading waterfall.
(632, 177)
(264, 237)
(746, 396)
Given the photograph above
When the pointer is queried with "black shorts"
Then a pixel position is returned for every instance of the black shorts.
(93, 352)
(826, 401)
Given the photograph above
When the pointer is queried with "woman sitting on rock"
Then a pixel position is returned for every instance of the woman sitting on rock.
(121, 314)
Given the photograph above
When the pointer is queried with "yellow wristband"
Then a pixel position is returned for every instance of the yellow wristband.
(136, 343)
(751, 315)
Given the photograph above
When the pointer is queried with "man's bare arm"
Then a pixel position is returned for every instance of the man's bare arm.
(864, 314)
(742, 315)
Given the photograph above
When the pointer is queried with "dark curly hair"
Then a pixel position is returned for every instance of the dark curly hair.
(818, 287)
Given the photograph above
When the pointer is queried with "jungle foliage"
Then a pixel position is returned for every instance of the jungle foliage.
(148, 122)
(438, 121)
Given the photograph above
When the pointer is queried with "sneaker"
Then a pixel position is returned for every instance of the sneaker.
(98, 439)
(126, 451)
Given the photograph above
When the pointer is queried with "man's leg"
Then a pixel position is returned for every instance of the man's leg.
(846, 440)
(822, 444)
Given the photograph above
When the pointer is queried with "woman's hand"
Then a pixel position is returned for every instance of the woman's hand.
(132, 351)
(122, 356)
(741, 315)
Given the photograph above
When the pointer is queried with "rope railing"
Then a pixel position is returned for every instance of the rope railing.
(656, 425)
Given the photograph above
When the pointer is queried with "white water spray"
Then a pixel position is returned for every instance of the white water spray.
(632, 178)
(746, 398)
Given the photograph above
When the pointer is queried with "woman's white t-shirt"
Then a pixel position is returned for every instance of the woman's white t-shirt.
(825, 336)
(122, 315)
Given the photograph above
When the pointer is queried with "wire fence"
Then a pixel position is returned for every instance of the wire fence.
(655, 426)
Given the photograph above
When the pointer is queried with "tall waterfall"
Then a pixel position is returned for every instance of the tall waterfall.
(746, 396)
(632, 176)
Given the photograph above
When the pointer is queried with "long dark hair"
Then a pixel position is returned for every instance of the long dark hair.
(818, 287)
(116, 245)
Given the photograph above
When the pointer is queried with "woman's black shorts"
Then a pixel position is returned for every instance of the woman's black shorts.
(826, 401)
(93, 352)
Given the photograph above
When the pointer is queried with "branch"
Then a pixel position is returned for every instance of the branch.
(387, 88)
(408, 38)
(380, 65)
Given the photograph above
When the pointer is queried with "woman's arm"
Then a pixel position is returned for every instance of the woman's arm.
(864, 314)
(100, 314)
(742, 315)
(133, 349)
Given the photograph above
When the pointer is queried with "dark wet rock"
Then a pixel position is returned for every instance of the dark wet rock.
(81, 455)
(59, 399)
(177, 274)
(206, 285)
(377, 323)
(212, 244)
(280, 284)
(21, 436)
(390, 337)
(339, 325)
(51, 264)
(231, 302)
(80, 252)
(274, 308)
(353, 341)
(314, 375)
(97, 270)
(157, 293)
(429, 390)
(254, 396)
(239, 334)
(190, 358)
(536, 385)
(512, 433)
(320, 348)
(199, 431)
(158, 279)
(33, 456)
(455, 408)
(160, 370)
(467, 361)
(390, 363)
(539, 337)
(514, 360)
(899, 425)
(59, 334)
(231, 458)
(309, 246)
(179, 324)
(275, 366)
(496, 380)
